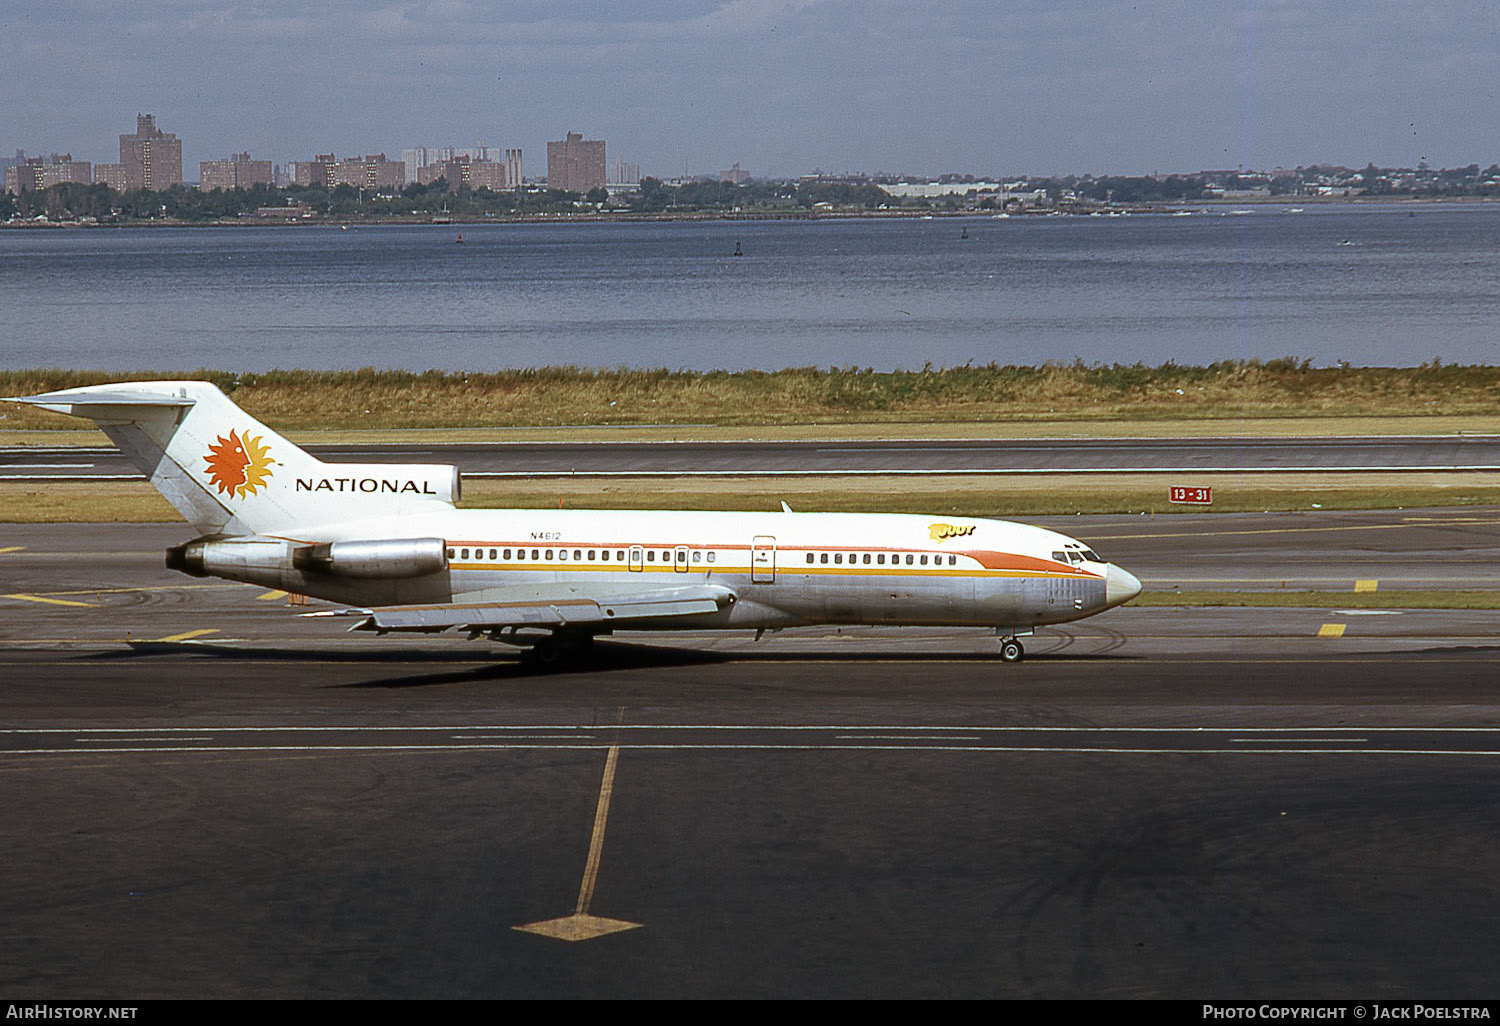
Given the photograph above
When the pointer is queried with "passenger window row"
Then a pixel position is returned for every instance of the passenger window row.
(879, 559)
(578, 555)
(522, 555)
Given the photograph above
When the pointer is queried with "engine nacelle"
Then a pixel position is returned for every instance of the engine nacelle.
(383, 558)
(232, 557)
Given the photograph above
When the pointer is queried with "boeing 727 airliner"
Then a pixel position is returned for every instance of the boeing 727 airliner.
(386, 541)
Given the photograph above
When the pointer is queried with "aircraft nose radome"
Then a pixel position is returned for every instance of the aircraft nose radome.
(1120, 586)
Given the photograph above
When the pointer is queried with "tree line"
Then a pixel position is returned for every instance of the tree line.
(74, 201)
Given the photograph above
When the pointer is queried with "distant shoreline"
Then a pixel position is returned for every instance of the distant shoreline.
(626, 217)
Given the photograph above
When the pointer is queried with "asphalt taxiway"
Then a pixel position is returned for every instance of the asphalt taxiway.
(207, 795)
(607, 458)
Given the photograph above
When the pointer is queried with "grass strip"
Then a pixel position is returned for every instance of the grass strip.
(834, 431)
(373, 399)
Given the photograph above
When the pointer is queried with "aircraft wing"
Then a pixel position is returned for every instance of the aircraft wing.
(549, 607)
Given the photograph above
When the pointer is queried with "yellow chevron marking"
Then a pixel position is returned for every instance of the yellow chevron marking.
(1331, 630)
(1366, 585)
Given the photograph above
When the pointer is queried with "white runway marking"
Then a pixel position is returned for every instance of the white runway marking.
(1311, 740)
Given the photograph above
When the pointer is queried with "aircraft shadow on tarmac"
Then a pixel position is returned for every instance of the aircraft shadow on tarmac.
(515, 665)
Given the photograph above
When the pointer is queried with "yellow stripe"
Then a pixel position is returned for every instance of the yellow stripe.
(190, 634)
(1366, 585)
(1331, 630)
(154, 587)
(596, 844)
(52, 601)
(12, 548)
(270, 595)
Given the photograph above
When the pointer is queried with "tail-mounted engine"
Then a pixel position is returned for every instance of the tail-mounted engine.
(252, 558)
(383, 559)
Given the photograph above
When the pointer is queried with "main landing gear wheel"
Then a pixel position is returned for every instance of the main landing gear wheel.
(1011, 651)
(550, 653)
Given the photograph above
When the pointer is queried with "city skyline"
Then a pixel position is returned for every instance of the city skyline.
(573, 164)
(780, 86)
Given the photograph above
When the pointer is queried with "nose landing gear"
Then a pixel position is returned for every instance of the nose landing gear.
(1011, 650)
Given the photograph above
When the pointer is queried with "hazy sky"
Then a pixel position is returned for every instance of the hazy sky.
(781, 86)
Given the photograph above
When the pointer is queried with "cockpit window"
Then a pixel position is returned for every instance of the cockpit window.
(1060, 556)
(1092, 556)
(1075, 555)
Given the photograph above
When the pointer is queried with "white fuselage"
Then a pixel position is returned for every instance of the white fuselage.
(785, 569)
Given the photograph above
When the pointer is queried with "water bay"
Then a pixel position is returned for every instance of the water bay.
(1382, 285)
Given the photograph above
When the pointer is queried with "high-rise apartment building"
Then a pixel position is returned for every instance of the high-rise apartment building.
(368, 172)
(462, 171)
(621, 173)
(575, 164)
(426, 164)
(152, 159)
(313, 172)
(112, 175)
(45, 172)
(237, 172)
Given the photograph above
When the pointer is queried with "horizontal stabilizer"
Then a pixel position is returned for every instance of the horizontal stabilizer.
(86, 402)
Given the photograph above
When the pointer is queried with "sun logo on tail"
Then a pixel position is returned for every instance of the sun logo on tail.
(238, 467)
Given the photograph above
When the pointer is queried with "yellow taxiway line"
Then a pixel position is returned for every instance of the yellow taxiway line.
(581, 925)
(186, 635)
(49, 601)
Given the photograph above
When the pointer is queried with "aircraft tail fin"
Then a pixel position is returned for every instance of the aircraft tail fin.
(227, 473)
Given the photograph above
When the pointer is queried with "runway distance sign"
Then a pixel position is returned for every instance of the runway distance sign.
(1191, 496)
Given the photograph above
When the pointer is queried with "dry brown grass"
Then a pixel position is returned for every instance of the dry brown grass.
(382, 400)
